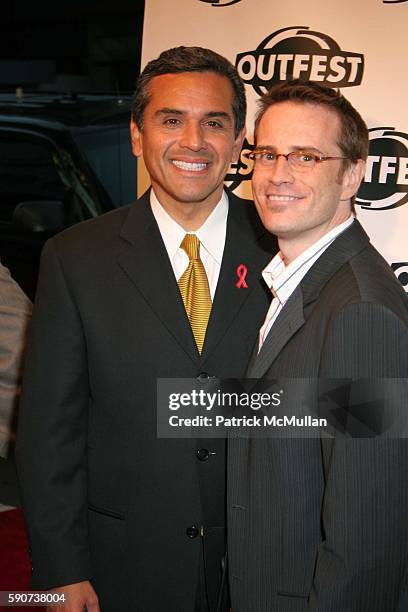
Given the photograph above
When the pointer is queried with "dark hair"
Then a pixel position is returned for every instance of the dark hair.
(189, 59)
(353, 135)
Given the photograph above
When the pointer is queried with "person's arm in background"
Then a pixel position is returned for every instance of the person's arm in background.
(15, 316)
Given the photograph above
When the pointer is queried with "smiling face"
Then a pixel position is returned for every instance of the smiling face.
(188, 140)
(301, 206)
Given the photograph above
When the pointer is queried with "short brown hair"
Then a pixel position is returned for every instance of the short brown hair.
(189, 59)
(353, 137)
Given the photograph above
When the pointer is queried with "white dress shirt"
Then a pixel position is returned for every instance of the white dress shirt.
(211, 235)
(282, 280)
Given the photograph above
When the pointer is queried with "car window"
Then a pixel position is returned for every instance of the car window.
(108, 151)
(27, 172)
(33, 168)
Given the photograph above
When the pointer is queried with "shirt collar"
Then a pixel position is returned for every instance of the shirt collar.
(211, 234)
(282, 280)
(213, 231)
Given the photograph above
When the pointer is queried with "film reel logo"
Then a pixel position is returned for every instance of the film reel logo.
(385, 184)
(297, 52)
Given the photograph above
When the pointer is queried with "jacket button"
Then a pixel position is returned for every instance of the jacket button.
(202, 454)
(192, 532)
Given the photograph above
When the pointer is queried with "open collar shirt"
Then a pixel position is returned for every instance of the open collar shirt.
(282, 280)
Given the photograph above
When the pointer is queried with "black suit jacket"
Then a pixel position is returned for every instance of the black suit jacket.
(317, 524)
(104, 498)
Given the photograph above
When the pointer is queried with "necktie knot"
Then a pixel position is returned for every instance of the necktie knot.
(191, 245)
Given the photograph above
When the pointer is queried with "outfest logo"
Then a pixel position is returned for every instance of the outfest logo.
(297, 52)
(385, 184)
(218, 3)
(401, 272)
(242, 169)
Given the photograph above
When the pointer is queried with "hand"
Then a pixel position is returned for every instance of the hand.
(79, 596)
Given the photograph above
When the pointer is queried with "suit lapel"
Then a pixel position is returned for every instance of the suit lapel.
(351, 242)
(289, 320)
(145, 261)
(292, 316)
(243, 245)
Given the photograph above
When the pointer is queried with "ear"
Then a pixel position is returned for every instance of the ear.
(136, 139)
(352, 178)
(237, 146)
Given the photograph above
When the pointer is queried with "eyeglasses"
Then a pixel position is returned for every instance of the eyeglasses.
(298, 160)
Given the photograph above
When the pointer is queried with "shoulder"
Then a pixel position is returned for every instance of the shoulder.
(367, 279)
(92, 231)
(99, 238)
(86, 250)
(376, 280)
(367, 332)
(360, 309)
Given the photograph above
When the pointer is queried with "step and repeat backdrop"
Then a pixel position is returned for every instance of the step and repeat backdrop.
(358, 47)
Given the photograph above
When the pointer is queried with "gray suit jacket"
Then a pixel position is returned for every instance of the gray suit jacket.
(15, 314)
(316, 524)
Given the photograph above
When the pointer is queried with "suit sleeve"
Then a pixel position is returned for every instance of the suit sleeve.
(52, 433)
(15, 315)
(362, 559)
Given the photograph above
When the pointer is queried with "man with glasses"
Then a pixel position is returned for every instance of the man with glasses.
(320, 524)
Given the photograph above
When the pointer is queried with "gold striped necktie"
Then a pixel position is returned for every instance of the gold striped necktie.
(195, 290)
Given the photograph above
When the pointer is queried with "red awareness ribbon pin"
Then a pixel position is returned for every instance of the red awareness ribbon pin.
(242, 271)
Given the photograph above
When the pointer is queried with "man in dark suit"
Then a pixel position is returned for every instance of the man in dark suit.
(320, 524)
(112, 511)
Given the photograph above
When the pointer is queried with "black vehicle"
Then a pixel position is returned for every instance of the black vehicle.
(63, 159)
